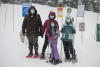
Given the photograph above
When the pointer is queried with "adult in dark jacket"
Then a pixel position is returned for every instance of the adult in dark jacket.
(46, 25)
(32, 28)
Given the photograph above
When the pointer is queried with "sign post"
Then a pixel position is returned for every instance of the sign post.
(80, 13)
(82, 28)
(60, 12)
(60, 16)
(25, 8)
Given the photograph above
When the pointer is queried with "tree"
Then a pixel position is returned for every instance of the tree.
(0, 2)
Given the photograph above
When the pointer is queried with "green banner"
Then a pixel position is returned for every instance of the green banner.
(98, 33)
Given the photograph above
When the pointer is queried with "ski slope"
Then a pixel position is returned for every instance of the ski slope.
(13, 52)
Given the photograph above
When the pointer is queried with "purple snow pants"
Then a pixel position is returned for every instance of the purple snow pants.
(54, 51)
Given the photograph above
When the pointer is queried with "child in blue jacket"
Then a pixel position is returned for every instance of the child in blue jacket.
(67, 31)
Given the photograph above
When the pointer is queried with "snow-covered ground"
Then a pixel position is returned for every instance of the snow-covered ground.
(13, 52)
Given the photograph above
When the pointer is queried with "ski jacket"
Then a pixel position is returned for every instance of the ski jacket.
(67, 32)
(48, 21)
(32, 25)
(53, 35)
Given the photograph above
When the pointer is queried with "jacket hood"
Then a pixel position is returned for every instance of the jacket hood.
(52, 13)
(32, 7)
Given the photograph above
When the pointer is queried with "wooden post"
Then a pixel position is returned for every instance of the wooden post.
(13, 18)
(81, 35)
(96, 25)
(76, 21)
(5, 16)
(61, 41)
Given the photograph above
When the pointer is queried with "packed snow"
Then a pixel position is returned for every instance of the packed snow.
(13, 52)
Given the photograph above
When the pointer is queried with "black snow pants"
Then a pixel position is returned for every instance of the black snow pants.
(45, 44)
(69, 50)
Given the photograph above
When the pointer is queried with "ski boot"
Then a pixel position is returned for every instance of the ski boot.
(36, 56)
(29, 55)
(57, 62)
(74, 59)
(60, 61)
(42, 56)
(67, 60)
(52, 60)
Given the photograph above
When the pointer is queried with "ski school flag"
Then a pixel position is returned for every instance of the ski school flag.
(80, 11)
(60, 12)
(25, 8)
(98, 33)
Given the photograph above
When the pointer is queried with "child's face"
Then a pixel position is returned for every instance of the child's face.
(68, 20)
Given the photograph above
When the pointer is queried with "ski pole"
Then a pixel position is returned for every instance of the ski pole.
(73, 49)
(5, 16)
(74, 58)
(61, 40)
(61, 50)
(73, 45)
(13, 18)
(48, 54)
(26, 40)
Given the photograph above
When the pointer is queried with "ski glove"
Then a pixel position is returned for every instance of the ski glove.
(74, 31)
(24, 34)
(51, 38)
(42, 36)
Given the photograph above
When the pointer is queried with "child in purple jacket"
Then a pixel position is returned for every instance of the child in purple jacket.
(53, 34)
(51, 17)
